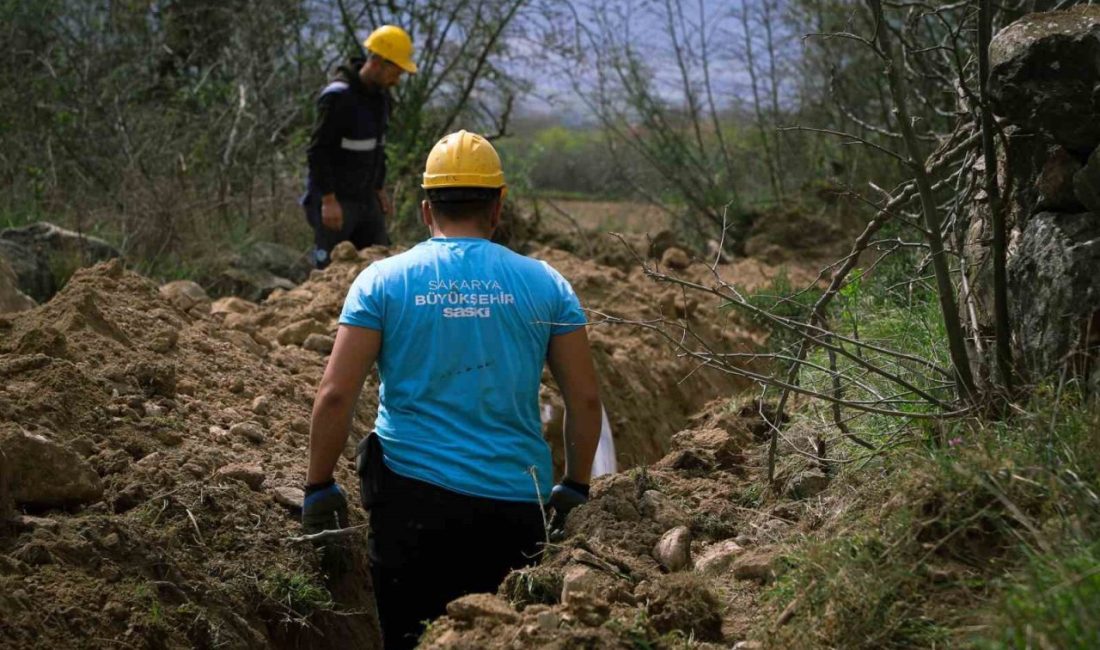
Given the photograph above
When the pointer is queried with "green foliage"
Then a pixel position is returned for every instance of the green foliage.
(994, 531)
(781, 299)
(298, 592)
(1053, 602)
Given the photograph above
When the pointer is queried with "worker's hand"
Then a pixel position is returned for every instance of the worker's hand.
(384, 202)
(332, 213)
(325, 507)
(565, 496)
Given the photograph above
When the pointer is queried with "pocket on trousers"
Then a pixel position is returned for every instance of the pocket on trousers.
(370, 467)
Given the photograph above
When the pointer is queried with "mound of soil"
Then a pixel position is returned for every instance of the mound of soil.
(191, 429)
(605, 585)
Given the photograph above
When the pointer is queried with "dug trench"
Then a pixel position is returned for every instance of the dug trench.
(154, 445)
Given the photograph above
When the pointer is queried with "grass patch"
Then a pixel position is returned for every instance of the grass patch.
(296, 592)
(990, 542)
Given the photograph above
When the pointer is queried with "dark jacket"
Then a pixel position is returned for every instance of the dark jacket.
(347, 151)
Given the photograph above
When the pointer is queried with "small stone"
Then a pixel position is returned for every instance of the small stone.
(44, 474)
(153, 410)
(717, 557)
(289, 497)
(675, 258)
(344, 252)
(186, 296)
(300, 426)
(748, 645)
(31, 523)
(578, 578)
(297, 332)
(250, 431)
(250, 474)
(116, 611)
(232, 305)
(481, 606)
(261, 405)
(548, 621)
(808, 483)
(319, 343)
(111, 540)
(754, 565)
(164, 341)
(673, 550)
(236, 385)
(194, 469)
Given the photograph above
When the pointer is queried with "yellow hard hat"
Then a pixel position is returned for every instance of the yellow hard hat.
(393, 44)
(463, 159)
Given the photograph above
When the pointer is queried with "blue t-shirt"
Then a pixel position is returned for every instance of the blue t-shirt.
(465, 328)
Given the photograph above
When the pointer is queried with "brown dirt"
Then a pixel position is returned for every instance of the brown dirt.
(180, 552)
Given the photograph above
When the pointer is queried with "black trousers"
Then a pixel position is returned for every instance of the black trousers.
(364, 225)
(429, 546)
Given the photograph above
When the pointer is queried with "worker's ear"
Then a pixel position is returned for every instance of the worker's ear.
(426, 214)
(494, 215)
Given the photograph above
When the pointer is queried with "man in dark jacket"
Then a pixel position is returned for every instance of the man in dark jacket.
(345, 197)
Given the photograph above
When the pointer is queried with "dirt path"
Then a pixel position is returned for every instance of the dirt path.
(178, 438)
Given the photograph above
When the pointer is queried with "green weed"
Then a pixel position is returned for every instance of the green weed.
(296, 591)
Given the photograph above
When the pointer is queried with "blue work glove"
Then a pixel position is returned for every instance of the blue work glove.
(325, 507)
(563, 498)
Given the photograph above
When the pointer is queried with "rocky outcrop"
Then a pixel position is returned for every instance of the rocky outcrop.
(1044, 71)
(32, 251)
(261, 269)
(1053, 286)
(1045, 76)
(11, 298)
(1086, 183)
(32, 274)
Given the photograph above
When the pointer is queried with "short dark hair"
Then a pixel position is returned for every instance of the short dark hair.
(463, 203)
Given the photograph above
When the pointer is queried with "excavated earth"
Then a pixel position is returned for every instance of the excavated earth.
(154, 444)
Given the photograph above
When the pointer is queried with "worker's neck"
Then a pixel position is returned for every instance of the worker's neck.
(471, 229)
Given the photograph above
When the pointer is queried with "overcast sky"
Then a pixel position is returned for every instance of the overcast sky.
(644, 24)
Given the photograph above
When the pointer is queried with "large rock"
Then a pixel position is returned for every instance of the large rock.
(251, 284)
(1053, 291)
(261, 269)
(44, 474)
(6, 510)
(32, 274)
(1045, 69)
(186, 295)
(1086, 183)
(11, 298)
(1055, 182)
(279, 260)
(47, 239)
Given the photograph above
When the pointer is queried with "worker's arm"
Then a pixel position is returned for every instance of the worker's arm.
(353, 355)
(570, 360)
(324, 143)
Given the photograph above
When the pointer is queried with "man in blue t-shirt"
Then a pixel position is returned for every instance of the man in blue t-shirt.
(460, 328)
